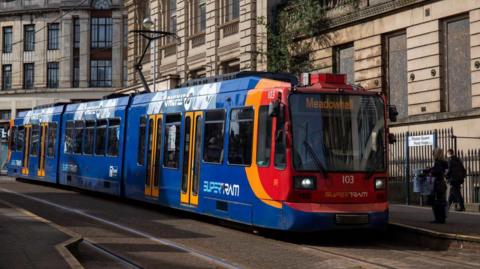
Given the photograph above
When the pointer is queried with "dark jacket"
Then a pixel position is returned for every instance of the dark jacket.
(439, 185)
(456, 171)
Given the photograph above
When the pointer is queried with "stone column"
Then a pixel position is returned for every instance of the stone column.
(247, 30)
(66, 46)
(17, 55)
(212, 37)
(117, 49)
(40, 80)
(84, 50)
(182, 49)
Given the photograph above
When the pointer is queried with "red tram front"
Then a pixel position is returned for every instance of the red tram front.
(335, 138)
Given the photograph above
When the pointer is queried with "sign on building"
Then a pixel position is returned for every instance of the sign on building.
(420, 140)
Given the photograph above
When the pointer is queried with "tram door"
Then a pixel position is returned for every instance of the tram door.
(43, 146)
(154, 145)
(191, 158)
(26, 148)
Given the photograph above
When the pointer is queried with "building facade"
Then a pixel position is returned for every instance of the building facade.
(59, 51)
(424, 54)
(213, 37)
(54, 51)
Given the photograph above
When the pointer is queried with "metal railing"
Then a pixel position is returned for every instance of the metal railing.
(471, 186)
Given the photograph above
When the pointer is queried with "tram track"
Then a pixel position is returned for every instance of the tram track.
(162, 241)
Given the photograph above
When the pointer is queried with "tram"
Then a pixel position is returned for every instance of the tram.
(257, 149)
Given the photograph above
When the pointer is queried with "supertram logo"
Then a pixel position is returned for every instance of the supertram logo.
(221, 188)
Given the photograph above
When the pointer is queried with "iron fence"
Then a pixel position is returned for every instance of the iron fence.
(471, 186)
(404, 160)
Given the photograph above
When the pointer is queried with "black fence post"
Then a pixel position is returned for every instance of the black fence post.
(407, 169)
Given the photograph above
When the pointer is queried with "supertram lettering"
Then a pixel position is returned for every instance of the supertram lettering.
(346, 194)
(221, 188)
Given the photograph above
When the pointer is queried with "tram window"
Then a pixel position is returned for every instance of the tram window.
(113, 137)
(20, 138)
(89, 136)
(141, 140)
(69, 139)
(52, 139)
(12, 143)
(264, 143)
(35, 140)
(280, 147)
(172, 140)
(79, 126)
(100, 136)
(213, 139)
(240, 136)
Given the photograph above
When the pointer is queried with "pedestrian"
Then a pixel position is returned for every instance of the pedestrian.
(455, 176)
(439, 194)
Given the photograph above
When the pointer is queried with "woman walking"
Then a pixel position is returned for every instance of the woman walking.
(439, 194)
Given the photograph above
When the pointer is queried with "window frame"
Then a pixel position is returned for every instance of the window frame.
(268, 135)
(53, 36)
(29, 70)
(52, 70)
(7, 47)
(144, 142)
(205, 122)
(87, 127)
(49, 130)
(96, 65)
(29, 37)
(229, 129)
(4, 73)
(180, 139)
(99, 26)
(109, 126)
(104, 138)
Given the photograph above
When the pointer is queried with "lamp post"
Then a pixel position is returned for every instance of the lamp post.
(148, 24)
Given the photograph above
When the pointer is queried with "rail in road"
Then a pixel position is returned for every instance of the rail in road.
(133, 235)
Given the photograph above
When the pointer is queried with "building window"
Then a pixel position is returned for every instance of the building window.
(7, 77)
(199, 16)
(53, 35)
(343, 61)
(76, 33)
(52, 75)
(28, 75)
(172, 25)
(29, 37)
(457, 94)
(101, 32)
(395, 82)
(5, 114)
(7, 39)
(76, 73)
(101, 73)
(232, 10)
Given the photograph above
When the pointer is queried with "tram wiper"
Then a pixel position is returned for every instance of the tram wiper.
(312, 152)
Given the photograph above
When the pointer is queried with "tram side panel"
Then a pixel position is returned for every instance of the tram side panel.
(35, 145)
(91, 152)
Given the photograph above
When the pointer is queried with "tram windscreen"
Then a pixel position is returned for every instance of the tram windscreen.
(338, 132)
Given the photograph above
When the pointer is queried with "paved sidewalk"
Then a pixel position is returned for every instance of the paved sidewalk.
(27, 242)
(457, 223)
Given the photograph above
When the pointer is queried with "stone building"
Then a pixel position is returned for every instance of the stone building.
(214, 37)
(424, 54)
(59, 51)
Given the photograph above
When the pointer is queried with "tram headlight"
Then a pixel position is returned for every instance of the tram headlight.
(380, 184)
(305, 183)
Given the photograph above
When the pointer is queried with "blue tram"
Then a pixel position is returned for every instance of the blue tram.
(254, 150)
